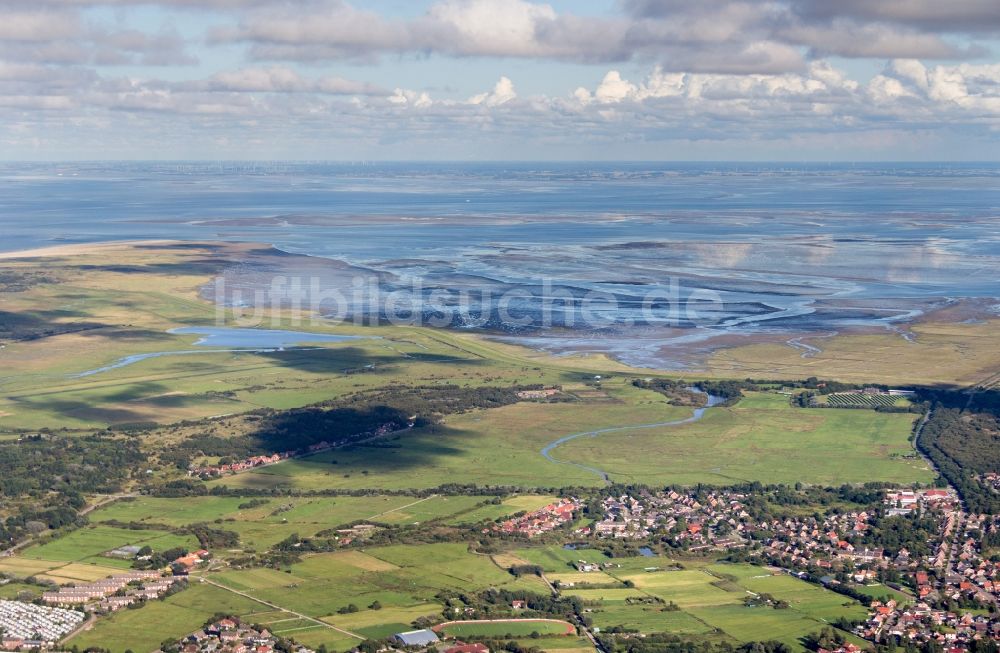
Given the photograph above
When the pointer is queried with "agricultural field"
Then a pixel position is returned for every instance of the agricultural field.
(404, 580)
(277, 518)
(85, 545)
(174, 617)
(710, 598)
(861, 400)
(508, 507)
(762, 438)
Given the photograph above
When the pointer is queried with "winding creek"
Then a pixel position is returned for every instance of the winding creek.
(695, 416)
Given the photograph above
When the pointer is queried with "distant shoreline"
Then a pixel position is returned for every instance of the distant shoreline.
(79, 249)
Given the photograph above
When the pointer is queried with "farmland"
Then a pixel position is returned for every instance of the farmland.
(711, 598)
(174, 617)
(708, 596)
(862, 400)
(87, 544)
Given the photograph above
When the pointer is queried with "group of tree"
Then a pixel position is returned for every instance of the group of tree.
(43, 479)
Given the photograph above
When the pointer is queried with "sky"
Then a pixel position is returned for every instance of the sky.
(789, 80)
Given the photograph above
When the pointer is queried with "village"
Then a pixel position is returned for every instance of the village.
(230, 635)
(543, 520)
(943, 596)
(719, 522)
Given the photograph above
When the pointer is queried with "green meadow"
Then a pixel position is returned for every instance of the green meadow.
(174, 617)
(711, 596)
(501, 446)
(396, 577)
(762, 438)
(265, 525)
(518, 628)
(88, 543)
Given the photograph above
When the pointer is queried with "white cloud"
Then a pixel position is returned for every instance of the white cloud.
(502, 93)
(405, 97)
(281, 79)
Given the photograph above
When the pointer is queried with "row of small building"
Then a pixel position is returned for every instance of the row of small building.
(114, 593)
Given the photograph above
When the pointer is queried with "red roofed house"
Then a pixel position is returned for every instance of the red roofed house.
(468, 648)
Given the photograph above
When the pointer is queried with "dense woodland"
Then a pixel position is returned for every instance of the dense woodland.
(962, 446)
(43, 479)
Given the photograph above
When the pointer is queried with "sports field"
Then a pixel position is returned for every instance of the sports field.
(506, 628)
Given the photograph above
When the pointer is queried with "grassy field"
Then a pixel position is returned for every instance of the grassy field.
(500, 446)
(88, 543)
(509, 506)
(397, 577)
(266, 525)
(712, 598)
(937, 352)
(649, 619)
(13, 590)
(764, 439)
(377, 624)
(559, 644)
(560, 560)
(883, 593)
(507, 628)
(174, 617)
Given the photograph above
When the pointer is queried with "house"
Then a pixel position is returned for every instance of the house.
(519, 605)
(417, 638)
(468, 648)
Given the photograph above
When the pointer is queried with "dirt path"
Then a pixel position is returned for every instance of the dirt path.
(281, 609)
(409, 505)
